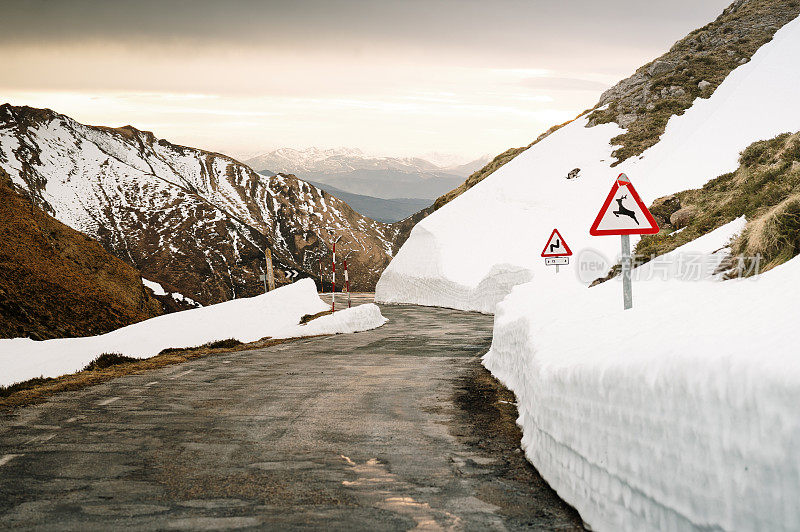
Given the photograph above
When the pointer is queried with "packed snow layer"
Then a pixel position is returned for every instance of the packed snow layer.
(154, 286)
(275, 314)
(678, 414)
(177, 296)
(507, 218)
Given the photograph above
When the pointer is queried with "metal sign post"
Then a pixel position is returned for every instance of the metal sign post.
(627, 290)
(629, 217)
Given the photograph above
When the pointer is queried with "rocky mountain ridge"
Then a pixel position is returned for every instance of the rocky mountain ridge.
(194, 221)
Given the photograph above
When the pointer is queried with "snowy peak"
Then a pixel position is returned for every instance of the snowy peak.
(334, 161)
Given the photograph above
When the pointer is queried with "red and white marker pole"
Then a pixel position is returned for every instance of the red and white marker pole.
(347, 283)
(333, 293)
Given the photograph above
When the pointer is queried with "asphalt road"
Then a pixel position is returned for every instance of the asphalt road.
(378, 430)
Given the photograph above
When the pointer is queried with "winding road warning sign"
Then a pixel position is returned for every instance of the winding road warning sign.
(556, 246)
(624, 212)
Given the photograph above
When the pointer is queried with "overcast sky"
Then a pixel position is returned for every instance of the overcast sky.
(390, 77)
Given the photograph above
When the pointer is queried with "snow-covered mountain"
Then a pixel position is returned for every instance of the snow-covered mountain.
(333, 161)
(196, 222)
(678, 414)
(353, 171)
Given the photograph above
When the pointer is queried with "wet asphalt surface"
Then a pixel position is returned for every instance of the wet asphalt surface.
(348, 432)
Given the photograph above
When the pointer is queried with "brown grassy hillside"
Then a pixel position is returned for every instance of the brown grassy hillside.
(56, 282)
(765, 189)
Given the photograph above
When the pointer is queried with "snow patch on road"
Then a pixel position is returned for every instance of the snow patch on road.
(275, 314)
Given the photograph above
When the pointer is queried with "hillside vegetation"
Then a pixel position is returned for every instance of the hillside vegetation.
(765, 189)
(56, 282)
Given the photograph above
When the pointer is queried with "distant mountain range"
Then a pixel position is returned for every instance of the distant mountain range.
(379, 209)
(350, 170)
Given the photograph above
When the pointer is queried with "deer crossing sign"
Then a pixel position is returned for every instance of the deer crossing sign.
(623, 212)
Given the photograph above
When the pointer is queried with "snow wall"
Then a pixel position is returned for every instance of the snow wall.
(275, 314)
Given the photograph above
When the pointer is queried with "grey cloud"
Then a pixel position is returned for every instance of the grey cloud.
(513, 26)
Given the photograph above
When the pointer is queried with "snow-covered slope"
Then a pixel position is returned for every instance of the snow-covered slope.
(275, 314)
(502, 223)
(680, 414)
(194, 221)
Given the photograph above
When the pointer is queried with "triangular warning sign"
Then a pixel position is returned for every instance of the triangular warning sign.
(623, 212)
(556, 246)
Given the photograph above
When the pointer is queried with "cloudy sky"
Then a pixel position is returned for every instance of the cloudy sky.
(390, 77)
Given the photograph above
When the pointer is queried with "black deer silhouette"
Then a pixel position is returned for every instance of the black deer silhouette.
(624, 210)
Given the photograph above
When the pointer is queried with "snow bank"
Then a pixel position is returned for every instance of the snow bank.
(276, 314)
(154, 286)
(507, 218)
(350, 320)
(678, 414)
(159, 291)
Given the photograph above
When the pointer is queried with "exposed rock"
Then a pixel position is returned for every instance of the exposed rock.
(673, 91)
(660, 67)
(703, 85)
(573, 173)
(682, 217)
(663, 208)
(625, 120)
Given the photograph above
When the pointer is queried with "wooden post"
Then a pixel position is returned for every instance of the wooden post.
(333, 285)
(270, 271)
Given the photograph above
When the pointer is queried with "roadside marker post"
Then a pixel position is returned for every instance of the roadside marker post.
(347, 283)
(556, 252)
(270, 280)
(631, 217)
(321, 277)
(333, 278)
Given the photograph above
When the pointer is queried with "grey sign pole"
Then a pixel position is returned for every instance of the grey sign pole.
(627, 294)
